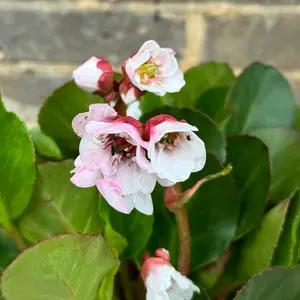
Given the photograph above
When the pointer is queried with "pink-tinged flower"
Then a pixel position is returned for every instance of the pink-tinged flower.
(95, 76)
(174, 150)
(110, 152)
(128, 92)
(134, 110)
(155, 69)
(163, 282)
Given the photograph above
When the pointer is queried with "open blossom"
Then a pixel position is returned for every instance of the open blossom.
(155, 69)
(95, 76)
(174, 150)
(163, 282)
(110, 152)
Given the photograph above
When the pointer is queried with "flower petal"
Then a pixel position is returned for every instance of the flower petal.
(111, 193)
(134, 110)
(174, 83)
(79, 122)
(143, 203)
(101, 112)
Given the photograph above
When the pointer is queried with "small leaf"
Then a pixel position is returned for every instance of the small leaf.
(260, 97)
(199, 79)
(135, 227)
(287, 250)
(106, 290)
(69, 266)
(44, 144)
(17, 168)
(277, 283)
(8, 250)
(207, 129)
(212, 103)
(251, 171)
(284, 146)
(59, 206)
(57, 113)
(258, 249)
(115, 240)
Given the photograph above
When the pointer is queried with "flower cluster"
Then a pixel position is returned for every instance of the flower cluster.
(121, 156)
(162, 281)
(152, 68)
(124, 158)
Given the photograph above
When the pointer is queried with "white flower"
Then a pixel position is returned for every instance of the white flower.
(174, 150)
(134, 110)
(155, 69)
(163, 282)
(128, 92)
(95, 76)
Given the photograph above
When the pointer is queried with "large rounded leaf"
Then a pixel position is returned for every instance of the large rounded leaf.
(284, 146)
(200, 79)
(212, 213)
(69, 266)
(58, 111)
(207, 129)
(260, 97)
(59, 206)
(274, 284)
(17, 168)
(251, 171)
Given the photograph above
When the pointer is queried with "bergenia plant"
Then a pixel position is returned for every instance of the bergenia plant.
(150, 183)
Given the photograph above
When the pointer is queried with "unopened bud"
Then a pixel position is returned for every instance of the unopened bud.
(95, 76)
(128, 92)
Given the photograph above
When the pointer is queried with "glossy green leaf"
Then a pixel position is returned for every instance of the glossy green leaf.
(251, 171)
(284, 146)
(201, 296)
(44, 144)
(277, 283)
(207, 129)
(150, 101)
(260, 97)
(258, 249)
(135, 227)
(58, 111)
(287, 250)
(69, 266)
(59, 206)
(212, 103)
(199, 79)
(17, 168)
(115, 240)
(106, 290)
(212, 212)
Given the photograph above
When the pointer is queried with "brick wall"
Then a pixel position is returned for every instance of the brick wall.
(42, 41)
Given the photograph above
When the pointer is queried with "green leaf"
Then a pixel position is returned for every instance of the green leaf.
(298, 118)
(150, 101)
(260, 97)
(8, 250)
(251, 171)
(199, 79)
(17, 168)
(59, 206)
(202, 296)
(258, 249)
(135, 227)
(277, 283)
(44, 144)
(287, 250)
(207, 129)
(284, 146)
(212, 213)
(106, 290)
(115, 240)
(69, 266)
(58, 111)
(212, 103)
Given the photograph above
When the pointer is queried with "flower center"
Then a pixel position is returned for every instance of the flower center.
(169, 140)
(147, 72)
(119, 145)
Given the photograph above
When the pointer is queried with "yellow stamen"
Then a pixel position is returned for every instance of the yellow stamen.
(147, 71)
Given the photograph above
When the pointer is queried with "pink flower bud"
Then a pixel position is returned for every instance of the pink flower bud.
(95, 76)
(163, 281)
(129, 93)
